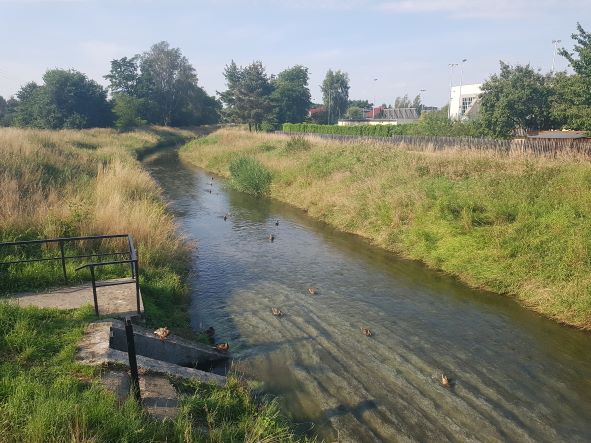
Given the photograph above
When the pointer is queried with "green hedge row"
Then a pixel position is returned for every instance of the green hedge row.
(364, 130)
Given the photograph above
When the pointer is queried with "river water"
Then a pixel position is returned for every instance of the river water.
(518, 377)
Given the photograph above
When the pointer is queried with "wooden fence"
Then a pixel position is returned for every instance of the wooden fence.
(541, 147)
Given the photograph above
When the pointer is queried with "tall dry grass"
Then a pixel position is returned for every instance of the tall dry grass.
(517, 224)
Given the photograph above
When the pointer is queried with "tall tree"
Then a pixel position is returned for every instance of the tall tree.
(233, 76)
(335, 94)
(166, 77)
(403, 102)
(161, 87)
(67, 99)
(124, 76)
(518, 97)
(291, 96)
(248, 97)
(571, 104)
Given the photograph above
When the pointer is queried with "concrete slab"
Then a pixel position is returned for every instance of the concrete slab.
(95, 349)
(159, 396)
(113, 301)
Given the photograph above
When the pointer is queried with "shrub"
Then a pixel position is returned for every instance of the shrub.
(296, 144)
(250, 176)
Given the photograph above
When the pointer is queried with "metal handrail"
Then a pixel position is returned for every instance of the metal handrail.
(132, 252)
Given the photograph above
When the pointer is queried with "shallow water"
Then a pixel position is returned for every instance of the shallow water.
(519, 377)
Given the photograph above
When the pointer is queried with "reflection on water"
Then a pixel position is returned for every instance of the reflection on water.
(519, 377)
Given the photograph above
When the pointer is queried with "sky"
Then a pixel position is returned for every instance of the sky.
(406, 45)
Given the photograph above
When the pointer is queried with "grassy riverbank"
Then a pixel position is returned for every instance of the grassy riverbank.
(70, 183)
(515, 225)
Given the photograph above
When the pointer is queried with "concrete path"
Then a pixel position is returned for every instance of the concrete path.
(113, 301)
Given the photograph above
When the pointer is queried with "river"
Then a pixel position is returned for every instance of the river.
(517, 376)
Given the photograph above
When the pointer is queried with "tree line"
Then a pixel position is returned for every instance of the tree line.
(160, 86)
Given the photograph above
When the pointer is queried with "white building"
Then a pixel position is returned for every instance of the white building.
(464, 101)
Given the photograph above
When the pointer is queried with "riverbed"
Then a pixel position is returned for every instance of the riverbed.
(516, 376)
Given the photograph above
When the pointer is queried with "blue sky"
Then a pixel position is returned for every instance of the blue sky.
(406, 44)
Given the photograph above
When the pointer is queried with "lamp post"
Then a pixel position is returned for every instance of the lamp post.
(373, 107)
(555, 43)
(451, 74)
(464, 60)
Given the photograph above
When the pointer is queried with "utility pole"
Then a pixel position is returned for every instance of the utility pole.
(461, 79)
(451, 76)
(555, 43)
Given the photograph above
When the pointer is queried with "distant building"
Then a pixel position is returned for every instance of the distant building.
(387, 116)
(559, 135)
(465, 101)
(315, 110)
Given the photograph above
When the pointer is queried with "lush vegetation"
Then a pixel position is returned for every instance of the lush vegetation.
(64, 183)
(248, 175)
(457, 211)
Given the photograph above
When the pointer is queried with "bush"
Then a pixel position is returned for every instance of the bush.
(250, 176)
(296, 144)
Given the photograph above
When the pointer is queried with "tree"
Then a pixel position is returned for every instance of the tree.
(354, 113)
(291, 96)
(164, 81)
(248, 97)
(67, 99)
(402, 102)
(127, 110)
(571, 104)
(518, 97)
(335, 94)
(166, 78)
(363, 104)
(124, 76)
(417, 104)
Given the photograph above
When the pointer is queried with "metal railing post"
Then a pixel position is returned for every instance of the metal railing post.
(96, 311)
(135, 378)
(137, 286)
(63, 261)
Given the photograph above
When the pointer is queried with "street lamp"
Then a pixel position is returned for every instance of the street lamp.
(461, 79)
(451, 73)
(555, 43)
(373, 108)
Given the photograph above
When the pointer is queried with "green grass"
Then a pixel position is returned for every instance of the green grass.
(249, 176)
(517, 225)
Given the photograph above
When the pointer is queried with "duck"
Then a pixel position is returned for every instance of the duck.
(210, 332)
(313, 291)
(271, 237)
(276, 222)
(367, 332)
(162, 333)
(222, 347)
(276, 312)
(446, 381)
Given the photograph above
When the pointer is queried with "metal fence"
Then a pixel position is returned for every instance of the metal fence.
(541, 147)
(129, 257)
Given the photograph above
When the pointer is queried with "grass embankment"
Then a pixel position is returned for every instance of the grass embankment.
(514, 225)
(71, 183)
